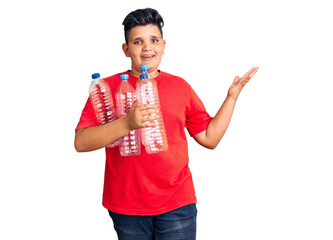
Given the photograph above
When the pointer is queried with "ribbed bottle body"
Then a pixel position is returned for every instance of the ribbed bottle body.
(102, 102)
(108, 101)
(96, 98)
(153, 138)
(125, 97)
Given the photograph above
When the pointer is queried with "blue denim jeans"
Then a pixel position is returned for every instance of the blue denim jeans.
(179, 224)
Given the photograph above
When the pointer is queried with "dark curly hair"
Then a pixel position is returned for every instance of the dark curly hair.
(142, 17)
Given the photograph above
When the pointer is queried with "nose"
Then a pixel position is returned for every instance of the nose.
(146, 46)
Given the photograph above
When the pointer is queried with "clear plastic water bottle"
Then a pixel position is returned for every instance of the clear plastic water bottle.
(144, 70)
(125, 97)
(102, 102)
(153, 138)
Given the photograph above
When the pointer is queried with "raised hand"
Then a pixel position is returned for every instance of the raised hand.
(238, 83)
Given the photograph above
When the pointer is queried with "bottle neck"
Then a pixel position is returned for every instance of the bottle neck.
(93, 83)
(150, 75)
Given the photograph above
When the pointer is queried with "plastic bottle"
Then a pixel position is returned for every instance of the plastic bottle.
(144, 70)
(102, 102)
(154, 138)
(125, 97)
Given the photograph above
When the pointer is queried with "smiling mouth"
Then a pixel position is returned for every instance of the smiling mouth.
(147, 57)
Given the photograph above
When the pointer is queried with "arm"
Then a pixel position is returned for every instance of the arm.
(93, 138)
(219, 124)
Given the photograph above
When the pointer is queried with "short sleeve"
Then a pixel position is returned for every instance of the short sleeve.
(88, 118)
(197, 118)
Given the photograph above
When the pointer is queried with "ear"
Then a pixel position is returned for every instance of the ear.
(163, 46)
(125, 49)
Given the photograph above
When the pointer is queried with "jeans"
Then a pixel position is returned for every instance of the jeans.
(179, 224)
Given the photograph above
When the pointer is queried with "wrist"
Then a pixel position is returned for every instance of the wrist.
(126, 123)
(231, 97)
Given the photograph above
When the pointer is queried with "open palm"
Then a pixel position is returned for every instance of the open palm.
(238, 83)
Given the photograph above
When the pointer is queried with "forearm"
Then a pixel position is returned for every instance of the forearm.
(93, 138)
(219, 124)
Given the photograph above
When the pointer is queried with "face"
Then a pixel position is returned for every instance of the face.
(145, 47)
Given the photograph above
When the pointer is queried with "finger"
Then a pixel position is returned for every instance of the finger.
(245, 81)
(146, 106)
(254, 72)
(247, 74)
(149, 112)
(149, 124)
(135, 103)
(149, 118)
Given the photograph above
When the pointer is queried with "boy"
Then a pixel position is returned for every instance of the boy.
(151, 196)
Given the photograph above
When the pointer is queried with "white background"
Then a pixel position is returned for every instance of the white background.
(270, 177)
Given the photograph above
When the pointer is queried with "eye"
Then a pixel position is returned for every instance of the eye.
(136, 42)
(155, 40)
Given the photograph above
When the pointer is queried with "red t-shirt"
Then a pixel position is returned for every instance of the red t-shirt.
(150, 184)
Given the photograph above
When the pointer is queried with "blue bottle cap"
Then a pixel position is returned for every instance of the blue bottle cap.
(95, 75)
(144, 68)
(124, 76)
(144, 76)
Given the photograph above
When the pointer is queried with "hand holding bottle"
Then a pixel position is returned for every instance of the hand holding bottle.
(141, 116)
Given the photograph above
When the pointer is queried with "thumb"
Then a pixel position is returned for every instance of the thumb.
(134, 105)
(236, 79)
